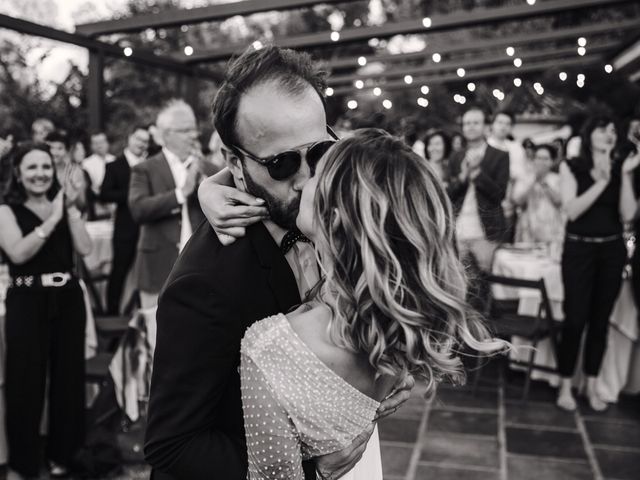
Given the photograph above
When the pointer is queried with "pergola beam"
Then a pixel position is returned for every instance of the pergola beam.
(492, 43)
(479, 74)
(472, 62)
(176, 18)
(439, 23)
(139, 57)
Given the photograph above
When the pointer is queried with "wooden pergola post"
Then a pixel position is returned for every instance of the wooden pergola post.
(95, 93)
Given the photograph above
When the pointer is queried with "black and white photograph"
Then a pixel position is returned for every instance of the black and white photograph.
(319, 240)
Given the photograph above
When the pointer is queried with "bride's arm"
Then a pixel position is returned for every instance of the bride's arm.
(229, 210)
(273, 446)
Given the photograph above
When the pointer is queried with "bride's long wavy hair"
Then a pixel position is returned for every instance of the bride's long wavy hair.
(393, 279)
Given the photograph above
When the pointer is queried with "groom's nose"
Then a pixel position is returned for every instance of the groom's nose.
(302, 176)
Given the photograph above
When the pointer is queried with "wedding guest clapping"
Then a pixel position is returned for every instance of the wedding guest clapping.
(538, 198)
(45, 313)
(597, 197)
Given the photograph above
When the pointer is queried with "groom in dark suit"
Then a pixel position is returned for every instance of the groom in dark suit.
(195, 426)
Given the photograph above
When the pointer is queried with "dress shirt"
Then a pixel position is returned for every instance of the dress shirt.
(95, 166)
(179, 172)
(132, 159)
(468, 225)
(301, 258)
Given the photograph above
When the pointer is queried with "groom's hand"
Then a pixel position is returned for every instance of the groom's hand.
(400, 393)
(337, 464)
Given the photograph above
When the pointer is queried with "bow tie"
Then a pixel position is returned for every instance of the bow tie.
(290, 238)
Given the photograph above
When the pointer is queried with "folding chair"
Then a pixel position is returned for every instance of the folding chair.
(505, 321)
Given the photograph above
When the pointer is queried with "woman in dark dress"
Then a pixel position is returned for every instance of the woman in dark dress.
(598, 197)
(45, 314)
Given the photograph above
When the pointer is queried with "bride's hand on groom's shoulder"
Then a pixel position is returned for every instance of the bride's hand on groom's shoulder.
(337, 464)
(400, 393)
(228, 210)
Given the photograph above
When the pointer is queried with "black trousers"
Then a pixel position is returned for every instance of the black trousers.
(592, 277)
(124, 253)
(45, 333)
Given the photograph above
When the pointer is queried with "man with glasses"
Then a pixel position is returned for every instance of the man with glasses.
(271, 118)
(162, 198)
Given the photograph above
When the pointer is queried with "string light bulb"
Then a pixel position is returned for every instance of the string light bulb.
(352, 104)
(329, 92)
(362, 61)
(436, 57)
(377, 91)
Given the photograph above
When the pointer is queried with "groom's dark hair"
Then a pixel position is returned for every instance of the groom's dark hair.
(293, 71)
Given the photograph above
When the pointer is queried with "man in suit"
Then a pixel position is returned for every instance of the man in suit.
(479, 176)
(115, 189)
(195, 426)
(162, 199)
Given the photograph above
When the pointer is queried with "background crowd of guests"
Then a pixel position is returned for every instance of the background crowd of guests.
(50, 189)
(577, 196)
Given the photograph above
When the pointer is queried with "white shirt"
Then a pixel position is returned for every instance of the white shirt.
(95, 166)
(179, 172)
(132, 159)
(468, 225)
(301, 258)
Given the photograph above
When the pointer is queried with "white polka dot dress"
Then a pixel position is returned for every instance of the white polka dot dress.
(295, 407)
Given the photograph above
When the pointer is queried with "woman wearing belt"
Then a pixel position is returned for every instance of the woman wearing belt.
(597, 196)
(45, 314)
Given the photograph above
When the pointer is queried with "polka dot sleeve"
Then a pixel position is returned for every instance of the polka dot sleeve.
(273, 445)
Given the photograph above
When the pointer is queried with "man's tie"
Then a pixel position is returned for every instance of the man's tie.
(290, 238)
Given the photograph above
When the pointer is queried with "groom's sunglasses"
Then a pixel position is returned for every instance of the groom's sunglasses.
(285, 164)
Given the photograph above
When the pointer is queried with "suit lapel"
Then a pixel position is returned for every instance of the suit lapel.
(280, 277)
(164, 171)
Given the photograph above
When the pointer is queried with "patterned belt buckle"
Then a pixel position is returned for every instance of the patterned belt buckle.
(54, 279)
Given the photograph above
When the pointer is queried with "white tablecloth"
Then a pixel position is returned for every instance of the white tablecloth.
(621, 364)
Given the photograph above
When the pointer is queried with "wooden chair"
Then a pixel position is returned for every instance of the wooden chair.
(505, 322)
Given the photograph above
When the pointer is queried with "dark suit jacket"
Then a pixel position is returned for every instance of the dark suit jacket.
(153, 205)
(195, 427)
(115, 189)
(491, 187)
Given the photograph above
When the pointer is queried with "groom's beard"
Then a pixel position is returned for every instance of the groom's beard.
(282, 213)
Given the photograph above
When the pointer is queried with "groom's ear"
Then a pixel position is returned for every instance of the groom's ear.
(235, 166)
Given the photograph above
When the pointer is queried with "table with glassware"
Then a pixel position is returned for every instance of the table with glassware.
(620, 370)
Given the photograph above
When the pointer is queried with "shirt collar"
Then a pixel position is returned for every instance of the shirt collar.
(173, 159)
(132, 158)
(276, 231)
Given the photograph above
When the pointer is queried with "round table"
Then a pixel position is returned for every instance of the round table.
(620, 369)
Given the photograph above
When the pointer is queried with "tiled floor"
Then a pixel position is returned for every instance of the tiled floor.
(492, 435)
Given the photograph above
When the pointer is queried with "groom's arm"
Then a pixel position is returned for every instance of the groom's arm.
(196, 354)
